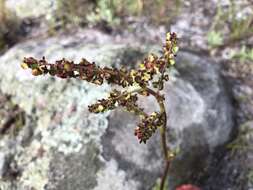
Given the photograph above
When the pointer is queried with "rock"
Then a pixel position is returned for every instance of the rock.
(200, 119)
(235, 170)
(36, 8)
(2, 163)
(71, 148)
(63, 128)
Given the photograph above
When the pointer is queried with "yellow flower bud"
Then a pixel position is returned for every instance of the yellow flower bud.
(100, 108)
(67, 67)
(133, 73)
(146, 77)
(175, 49)
(168, 36)
(151, 58)
(24, 66)
(172, 62)
(142, 66)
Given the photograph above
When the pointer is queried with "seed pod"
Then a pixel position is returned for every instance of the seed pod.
(36, 72)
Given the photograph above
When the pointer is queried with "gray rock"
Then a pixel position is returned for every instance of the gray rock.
(235, 170)
(2, 163)
(36, 8)
(200, 119)
(72, 148)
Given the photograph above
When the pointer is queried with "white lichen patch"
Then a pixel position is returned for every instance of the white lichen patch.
(70, 136)
(34, 162)
(35, 174)
(76, 128)
(65, 140)
(111, 178)
(34, 8)
(5, 185)
(62, 121)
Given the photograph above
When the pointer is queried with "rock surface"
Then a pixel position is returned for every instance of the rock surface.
(35, 8)
(200, 120)
(235, 169)
(62, 145)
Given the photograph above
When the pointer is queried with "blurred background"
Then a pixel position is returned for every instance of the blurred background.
(50, 141)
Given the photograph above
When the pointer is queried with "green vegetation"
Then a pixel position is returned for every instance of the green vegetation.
(146, 80)
(214, 39)
(105, 12)
(228, 28)
(72, 12)
(245, 54)
(241, 143)
(113, 12)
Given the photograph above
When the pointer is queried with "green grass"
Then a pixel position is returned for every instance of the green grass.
(114, 12)
(245, 54)
(239, 28)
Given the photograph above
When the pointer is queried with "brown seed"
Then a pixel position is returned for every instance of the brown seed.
(36, 72)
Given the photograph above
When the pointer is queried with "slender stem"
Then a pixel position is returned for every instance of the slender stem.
(128, 92)
(164, 145)
(137, 110)
(163, 135)
(160, 101)
(158, 97)
(166, 170)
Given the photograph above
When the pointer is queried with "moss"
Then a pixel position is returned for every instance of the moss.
(242, 142)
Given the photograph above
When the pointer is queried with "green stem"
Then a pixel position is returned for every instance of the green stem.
(163, 135)
(165, 174)
(165, 149)
(164, 146)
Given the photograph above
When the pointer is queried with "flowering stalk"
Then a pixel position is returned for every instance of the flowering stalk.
(147, 79)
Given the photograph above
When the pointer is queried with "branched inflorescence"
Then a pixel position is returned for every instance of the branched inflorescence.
(147, 79)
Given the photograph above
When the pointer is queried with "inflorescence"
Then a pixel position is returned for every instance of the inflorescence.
(147, 79)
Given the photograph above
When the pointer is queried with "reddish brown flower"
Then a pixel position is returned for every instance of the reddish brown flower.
(151, 71)
(187, 187)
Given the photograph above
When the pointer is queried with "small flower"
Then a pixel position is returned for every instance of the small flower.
(153, 67)
(175, 49)
(24, 66)
(172, 62)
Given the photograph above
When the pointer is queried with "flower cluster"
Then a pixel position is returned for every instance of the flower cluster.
(116, 98)
(148, 125)
(143, 79)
